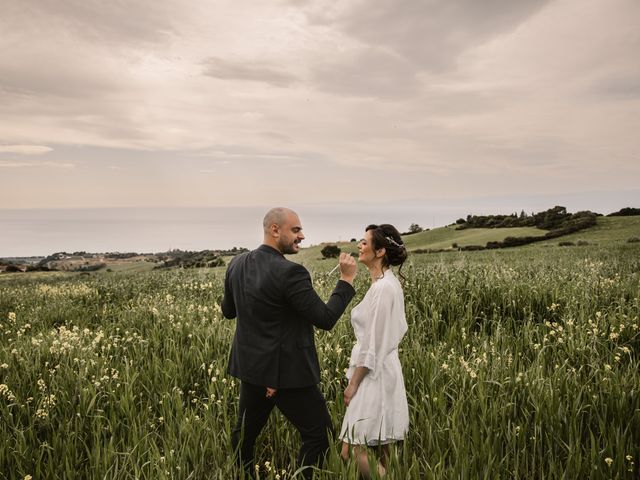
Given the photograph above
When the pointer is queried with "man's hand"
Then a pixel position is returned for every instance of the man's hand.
(348, 267)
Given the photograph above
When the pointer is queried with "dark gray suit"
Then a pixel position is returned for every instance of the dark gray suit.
(276, 309)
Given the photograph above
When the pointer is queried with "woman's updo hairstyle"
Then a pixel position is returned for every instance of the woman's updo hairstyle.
(387, 236)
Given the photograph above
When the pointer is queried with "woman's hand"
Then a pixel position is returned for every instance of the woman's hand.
(349, 393)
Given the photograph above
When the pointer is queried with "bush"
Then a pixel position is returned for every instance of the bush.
(471, 248)
(625, 212)
(330, 251)
(566, 244)
(633, 240)
(582, 243)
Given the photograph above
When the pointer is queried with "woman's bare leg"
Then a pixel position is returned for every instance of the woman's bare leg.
(362, 459)
(384, 457)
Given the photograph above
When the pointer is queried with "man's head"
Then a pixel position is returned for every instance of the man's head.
(282, 230)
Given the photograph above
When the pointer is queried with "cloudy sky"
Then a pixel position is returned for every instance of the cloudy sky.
(243, 103)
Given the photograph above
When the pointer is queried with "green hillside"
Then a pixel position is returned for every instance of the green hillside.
(445, 236)
(607, 230)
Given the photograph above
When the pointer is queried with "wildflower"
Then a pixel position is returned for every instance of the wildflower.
(629, 457)
(28, 477)
(6, 393)
(608, 461)
(42, 414)
(12, 317)
(4, 366)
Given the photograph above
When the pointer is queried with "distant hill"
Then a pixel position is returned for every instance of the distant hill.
(606, 230)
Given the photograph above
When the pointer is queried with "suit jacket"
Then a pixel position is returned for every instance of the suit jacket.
(276, 309)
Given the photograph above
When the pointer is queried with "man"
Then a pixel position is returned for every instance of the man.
(273, 352)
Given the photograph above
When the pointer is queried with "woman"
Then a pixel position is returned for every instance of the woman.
(377, 412)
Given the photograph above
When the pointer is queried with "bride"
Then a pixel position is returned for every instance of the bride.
(377, 412)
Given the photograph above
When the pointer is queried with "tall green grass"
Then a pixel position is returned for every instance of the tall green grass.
(518, 364)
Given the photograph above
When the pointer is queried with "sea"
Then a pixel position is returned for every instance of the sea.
(41, 232)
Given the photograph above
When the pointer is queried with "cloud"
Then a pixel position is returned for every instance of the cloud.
(25, 149)
(430, 33)
(14, 164)
(371, 72)
(115, 23)
(248, 70)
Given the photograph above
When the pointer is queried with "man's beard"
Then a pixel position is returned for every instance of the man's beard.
(288, 249)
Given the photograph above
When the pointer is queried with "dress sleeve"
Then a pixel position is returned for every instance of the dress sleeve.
(374, 343)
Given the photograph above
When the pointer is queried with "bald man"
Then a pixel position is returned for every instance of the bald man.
(273, 352)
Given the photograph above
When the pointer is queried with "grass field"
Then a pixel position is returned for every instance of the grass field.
(519, 363)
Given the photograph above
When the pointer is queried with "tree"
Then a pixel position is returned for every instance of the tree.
(415, 228)
(330, 251)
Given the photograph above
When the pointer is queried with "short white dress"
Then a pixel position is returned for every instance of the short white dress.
(378, 413)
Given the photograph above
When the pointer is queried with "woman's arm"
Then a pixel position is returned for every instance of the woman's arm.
(354, 383)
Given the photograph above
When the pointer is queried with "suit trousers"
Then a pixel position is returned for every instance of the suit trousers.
(304, 407)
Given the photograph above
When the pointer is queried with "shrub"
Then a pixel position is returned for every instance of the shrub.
(566, 244)
(625, 212)
(633, 240)
(582, 243)
(471, 248)
(330, 251)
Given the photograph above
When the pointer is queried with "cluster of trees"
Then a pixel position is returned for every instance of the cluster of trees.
(185, 259)
(571, 224)
(551, 219)
(625, 212)
(556, 220)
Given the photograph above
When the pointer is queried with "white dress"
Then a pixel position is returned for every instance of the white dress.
(378, 412)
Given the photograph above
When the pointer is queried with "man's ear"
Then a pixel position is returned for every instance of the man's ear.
(274, 230)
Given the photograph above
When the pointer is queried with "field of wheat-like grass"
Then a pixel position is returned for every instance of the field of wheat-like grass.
(518, 364)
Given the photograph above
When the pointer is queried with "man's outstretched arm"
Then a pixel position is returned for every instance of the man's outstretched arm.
(304, 299)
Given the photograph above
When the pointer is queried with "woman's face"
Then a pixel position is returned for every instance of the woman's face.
(367, 253)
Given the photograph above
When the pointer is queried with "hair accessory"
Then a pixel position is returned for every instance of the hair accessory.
(393, 242)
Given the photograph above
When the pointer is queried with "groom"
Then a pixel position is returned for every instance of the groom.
(273, 352)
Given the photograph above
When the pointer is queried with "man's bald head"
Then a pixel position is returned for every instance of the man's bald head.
(276, 216)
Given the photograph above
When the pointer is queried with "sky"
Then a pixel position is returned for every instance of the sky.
(218, 103)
